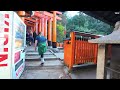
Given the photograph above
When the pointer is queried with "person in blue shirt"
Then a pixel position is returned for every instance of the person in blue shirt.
(41, 42)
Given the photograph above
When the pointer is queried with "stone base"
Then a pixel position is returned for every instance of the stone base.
(49, 43)
(54, 44)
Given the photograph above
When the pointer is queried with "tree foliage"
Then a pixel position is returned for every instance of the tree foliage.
(81, 22)
(60, 32)
(85, 23)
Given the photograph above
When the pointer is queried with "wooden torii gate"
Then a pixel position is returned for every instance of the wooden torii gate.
(45, 22)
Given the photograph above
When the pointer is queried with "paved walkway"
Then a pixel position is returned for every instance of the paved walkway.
(52, 69)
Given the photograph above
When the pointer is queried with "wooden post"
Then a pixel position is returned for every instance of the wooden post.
(49, 32)
(100, 61)
(72, 53)
(45, 27)
(54, 32)
(21, 13)
(36, 27)
(39, 25)
(42, 26)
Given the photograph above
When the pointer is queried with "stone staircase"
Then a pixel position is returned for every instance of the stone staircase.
(31, 55)
(52, 69)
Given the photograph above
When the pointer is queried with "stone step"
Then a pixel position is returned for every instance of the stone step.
(37, 58)
(59, 55)
(51, 63)
(36, 53)
(45, 55)
(43, 67)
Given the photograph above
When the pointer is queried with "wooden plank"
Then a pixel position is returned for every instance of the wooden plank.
(95, 53)
(76, 51)
(90, 52)
(85, 52)
(80, 49)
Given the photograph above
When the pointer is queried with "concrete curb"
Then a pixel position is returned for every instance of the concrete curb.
(55, 55)
(66, 71)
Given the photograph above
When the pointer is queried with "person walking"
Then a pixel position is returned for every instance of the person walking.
(31, 37)
(34, 36)
(41, 42)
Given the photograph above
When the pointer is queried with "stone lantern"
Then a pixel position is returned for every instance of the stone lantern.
(114, 40)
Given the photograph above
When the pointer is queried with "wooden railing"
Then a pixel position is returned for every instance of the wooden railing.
(79, 50)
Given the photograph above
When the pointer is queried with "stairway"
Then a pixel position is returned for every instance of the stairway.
(52, 69)
(31, 54)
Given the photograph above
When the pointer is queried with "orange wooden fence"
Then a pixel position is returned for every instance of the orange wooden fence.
(78, 50)
(85, 52)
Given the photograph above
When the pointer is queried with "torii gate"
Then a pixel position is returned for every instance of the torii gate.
(39, 22)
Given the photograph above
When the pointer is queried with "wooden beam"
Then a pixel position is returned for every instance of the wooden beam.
(30, 19)
(45, 13)
(57, 12)
(29, 24)
(33, 17)
(21, 13)
(40, 15)
(51, 15)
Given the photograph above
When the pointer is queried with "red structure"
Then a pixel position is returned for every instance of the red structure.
(77, 50)
(45, 22)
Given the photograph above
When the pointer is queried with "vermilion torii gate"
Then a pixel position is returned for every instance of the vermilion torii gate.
(45, 22)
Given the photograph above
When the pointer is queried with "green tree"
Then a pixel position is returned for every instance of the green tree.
(60, 32)
(85, 23)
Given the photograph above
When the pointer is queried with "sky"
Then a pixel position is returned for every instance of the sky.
(72, 13)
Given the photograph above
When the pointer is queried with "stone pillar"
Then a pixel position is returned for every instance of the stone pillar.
(101, 62)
